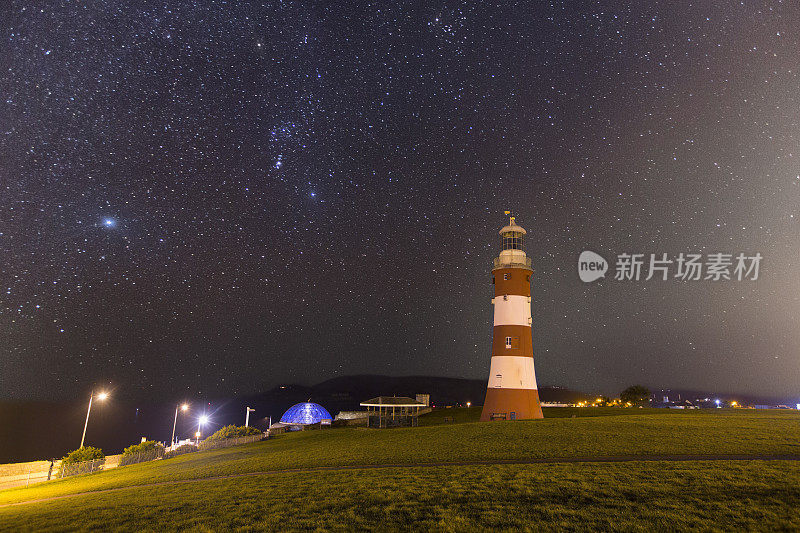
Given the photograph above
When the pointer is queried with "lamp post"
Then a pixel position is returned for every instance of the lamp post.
(247, 417)
(102, 396)
(200, 422)
(183, 407)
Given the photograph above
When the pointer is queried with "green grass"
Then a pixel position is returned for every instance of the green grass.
(460, 415)
(633, 496)
(586, 495)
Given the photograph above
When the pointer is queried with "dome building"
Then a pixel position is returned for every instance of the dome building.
(305, 413)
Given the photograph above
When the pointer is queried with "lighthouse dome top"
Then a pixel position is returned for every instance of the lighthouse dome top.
(513, 227)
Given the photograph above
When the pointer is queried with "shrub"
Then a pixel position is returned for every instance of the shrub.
(144, 451)
(87, 453)
(81, 461)
(180, 450)
(146, 446)
(232, 432)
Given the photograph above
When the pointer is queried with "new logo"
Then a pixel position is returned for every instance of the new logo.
(591, 266)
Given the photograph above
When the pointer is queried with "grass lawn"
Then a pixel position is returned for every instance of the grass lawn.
(630, 496)
(586, 495)
(460, 415)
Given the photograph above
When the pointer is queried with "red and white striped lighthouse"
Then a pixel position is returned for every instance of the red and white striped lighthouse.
(511, 393)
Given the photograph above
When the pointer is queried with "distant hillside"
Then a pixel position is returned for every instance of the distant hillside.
(346, 392)
(41, 430)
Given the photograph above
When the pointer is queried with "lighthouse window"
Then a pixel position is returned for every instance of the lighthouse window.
(512, 240)
(508, 342)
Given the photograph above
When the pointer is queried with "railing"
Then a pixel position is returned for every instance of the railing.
(84, 467)
(96, 465)
(498, 263)
(180, 450)
(141, 457)
(214, 444)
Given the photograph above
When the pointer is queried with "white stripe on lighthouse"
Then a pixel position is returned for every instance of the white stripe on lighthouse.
(509, 372)
(512, 310)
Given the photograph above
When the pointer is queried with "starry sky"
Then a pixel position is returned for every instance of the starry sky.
(210, 197)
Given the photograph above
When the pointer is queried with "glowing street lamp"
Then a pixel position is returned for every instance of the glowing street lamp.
(202, 421)
(101, 396)
(183, 407)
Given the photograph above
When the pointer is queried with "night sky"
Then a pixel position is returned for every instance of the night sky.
(217, 197)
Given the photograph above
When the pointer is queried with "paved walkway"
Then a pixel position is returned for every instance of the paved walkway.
(605, 459)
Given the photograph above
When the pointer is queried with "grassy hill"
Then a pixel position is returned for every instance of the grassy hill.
(435, 487)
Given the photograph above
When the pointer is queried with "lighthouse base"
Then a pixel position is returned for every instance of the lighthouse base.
(511, 404)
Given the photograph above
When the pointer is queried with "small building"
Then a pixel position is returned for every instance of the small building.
(393, 411)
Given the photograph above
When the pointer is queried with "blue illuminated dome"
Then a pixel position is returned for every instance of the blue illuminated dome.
(305, 413)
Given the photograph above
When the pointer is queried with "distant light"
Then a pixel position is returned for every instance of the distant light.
(469, 404)
(717, 402)
(184, 407)
(102, 396)
(203, 419)
(197, 434)
(798, 406)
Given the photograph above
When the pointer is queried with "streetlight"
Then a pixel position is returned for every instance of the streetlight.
(202, 421)
(101, 396)
(247, 417)
(183, 407)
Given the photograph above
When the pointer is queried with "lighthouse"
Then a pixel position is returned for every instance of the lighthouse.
(511, 393)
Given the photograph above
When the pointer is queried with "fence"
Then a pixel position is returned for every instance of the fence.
(180, 450)
(141, 457)
(85, 467)
(25, 474)
(214, 444)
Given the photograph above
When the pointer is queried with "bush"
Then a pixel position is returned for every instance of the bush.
(81, 461)
(232, 432)
(180, 450)
(144, 451)
(146, 446)
(87, 453)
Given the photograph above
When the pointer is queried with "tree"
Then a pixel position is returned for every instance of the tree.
(636, 394)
